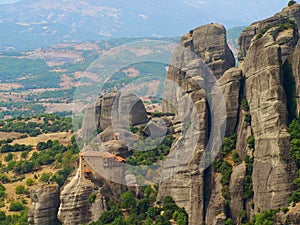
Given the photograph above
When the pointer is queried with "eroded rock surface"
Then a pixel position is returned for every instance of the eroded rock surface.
(217, 203)
(288, 13)
(236, 191)
(230, 84)
(120, 110)
(44, 207)
(209, 43)
(274, 169)
(75, 207)
(292, 217)
(202, 48)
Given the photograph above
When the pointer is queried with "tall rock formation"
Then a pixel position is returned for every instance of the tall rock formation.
(273, 170)
(295, 61)
(75, 207)
(44, 207)
(268, 81)
(120, 110)
(231, 86)
(209, 43)
(188, 102)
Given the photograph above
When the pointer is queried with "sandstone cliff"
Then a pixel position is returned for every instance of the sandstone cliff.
(288, 13)
(258, 100)
(273, 170)
(187, 184)
(126, 110)
(75, 207)
(44, 207)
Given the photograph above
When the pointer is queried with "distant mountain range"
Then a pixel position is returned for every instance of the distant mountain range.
(30, 24)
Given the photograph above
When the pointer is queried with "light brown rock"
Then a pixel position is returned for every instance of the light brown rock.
(245, 39)
(44, 206)
(236, 191)
(230, 84)
(274, 169)
(217, 203)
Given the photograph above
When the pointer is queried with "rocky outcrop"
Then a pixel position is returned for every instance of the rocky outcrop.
(230, 84)
(274, 169)
(114, 110)
(155, 129)
(217, 203)
(75, 207)
(295, 61)
(219, 219)
(209, 43)
(121, 110)
(236, 191)
(184, 180)
(292, 217)
(44, 207)
(288, 13)
(266, 48)
(243, 132)
(186, 183)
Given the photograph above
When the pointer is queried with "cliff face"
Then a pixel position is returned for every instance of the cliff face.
(273, 170)
(187, 100)
(130, 110)
(209, 43)
(258, 103)
(295, 59)
(75, 206)
(44, 207)
(288, 13)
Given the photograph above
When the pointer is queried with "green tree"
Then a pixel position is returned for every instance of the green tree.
(245, 105)
(291, 2)
(45, 177)
(24, 155)
(92, 198)
(2, 216)
(30, 182)
(8, 157)
(128, 200)
(20, 190)
(251, 142)
(162, 220)
(264, 218)
(109, 216)
(229, 221)
(16, 206)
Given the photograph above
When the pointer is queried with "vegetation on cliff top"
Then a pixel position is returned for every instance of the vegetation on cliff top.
(281, 27)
